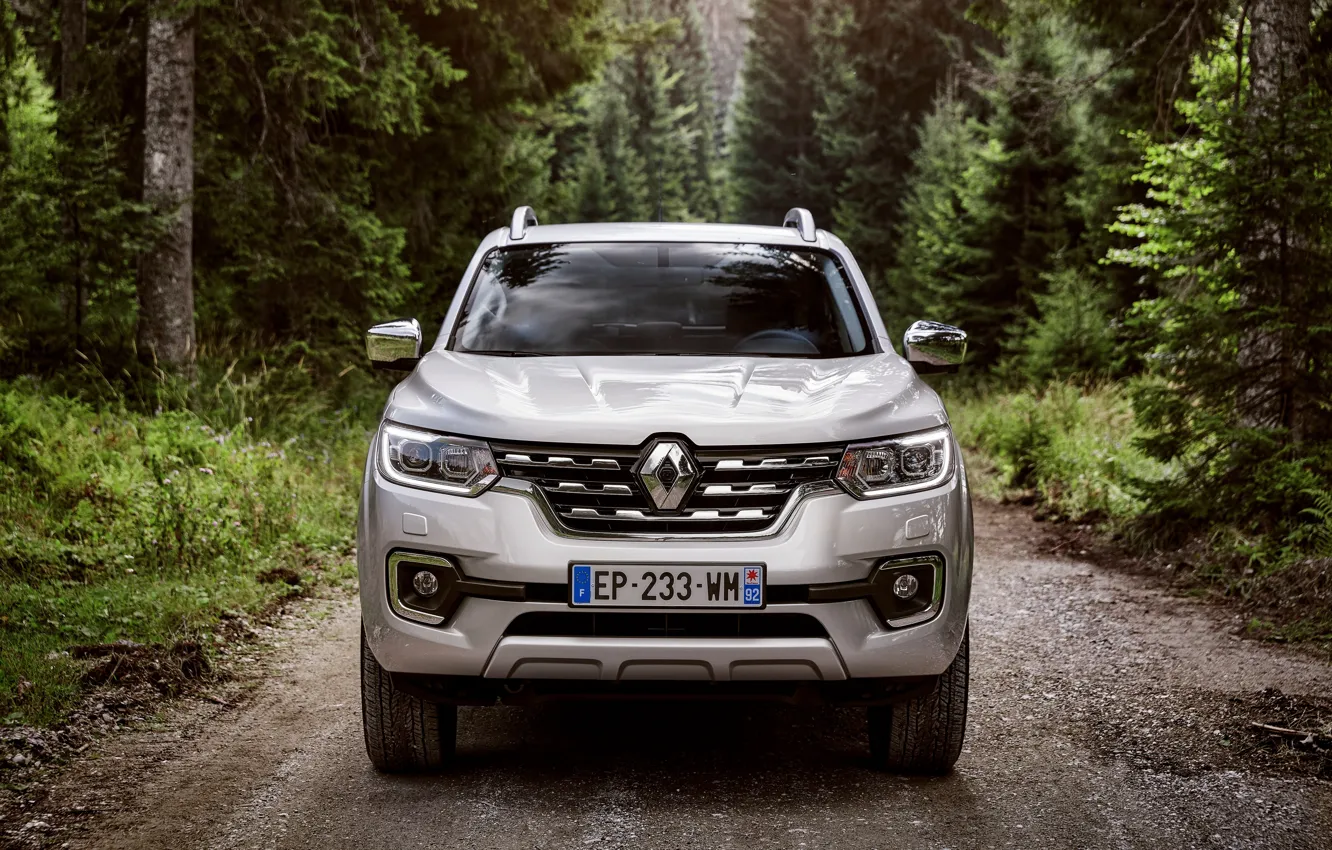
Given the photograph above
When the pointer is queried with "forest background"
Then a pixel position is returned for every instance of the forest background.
(203, 205)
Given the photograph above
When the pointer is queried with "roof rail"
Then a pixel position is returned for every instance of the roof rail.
(802, 220)
(523, 218)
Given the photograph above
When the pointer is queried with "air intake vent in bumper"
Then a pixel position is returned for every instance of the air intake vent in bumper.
(699, 625)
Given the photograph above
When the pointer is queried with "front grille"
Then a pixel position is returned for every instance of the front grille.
(590, 624)
(595, 489)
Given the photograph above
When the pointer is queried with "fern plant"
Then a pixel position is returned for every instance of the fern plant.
(1320, 531)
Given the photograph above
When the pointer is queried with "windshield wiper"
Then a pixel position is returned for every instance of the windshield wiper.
(513, 353)
(602, 353)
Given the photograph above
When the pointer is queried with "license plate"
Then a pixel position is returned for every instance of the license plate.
(666, 586)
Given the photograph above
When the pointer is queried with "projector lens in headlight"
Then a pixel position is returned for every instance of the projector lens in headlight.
(436, 462)
(899, 465)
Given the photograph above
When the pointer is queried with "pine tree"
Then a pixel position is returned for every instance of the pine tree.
(879, 67)
(592, 201)
(696, 92)
(72, 279)
(727, 25)
(1236, 233)
(775, 154)
(1154, 43)
(390, 136)
(660, 131)
(644, 133)
(1030, 149)
(942, 253)
(1071, 335)
(1049, 150)
(31, 236)
(609, 179)
(1015, 178)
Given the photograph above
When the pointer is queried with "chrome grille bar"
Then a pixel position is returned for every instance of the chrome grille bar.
(578, 487)
(688, 516)
(744, 513)
(774, 463)
(561, 462)
(744, 490)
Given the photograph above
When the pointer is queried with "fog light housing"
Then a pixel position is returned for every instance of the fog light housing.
(423, 588)
(907, 591)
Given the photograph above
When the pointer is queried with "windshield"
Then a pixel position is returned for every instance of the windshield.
(667, 298)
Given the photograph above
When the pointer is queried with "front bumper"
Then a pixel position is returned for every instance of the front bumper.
(505, 536)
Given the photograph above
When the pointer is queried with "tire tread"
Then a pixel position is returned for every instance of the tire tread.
(403, 733)
(924, 735)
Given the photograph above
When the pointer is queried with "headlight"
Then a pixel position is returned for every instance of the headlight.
(435, 462)
(896, 466)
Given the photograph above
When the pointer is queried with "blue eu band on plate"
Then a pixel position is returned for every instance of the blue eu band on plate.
(666, 586)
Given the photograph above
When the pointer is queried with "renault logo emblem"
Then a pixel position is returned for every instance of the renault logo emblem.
(668, 474)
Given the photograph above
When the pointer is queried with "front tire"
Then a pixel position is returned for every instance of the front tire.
(923, 735)
(403, 733)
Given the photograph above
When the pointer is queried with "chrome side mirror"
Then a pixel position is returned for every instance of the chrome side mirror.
(395, 346)
(932, 347)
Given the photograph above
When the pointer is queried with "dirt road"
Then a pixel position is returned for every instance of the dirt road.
(1104, 714)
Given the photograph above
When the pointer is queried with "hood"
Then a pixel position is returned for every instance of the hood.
(623, 401)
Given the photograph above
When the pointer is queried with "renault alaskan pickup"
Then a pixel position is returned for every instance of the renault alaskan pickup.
(664, 460)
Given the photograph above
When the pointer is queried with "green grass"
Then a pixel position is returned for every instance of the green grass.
(1070, 445)
(150, 527)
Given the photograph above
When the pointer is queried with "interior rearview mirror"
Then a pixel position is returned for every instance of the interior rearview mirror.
(395, 346)
(932, 347)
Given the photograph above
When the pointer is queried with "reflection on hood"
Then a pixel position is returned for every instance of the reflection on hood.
(712, 401)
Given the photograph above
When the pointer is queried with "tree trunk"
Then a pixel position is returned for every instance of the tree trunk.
(73, 41)
(1279, 47)
(166, 275)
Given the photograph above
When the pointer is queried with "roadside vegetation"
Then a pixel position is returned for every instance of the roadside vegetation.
(128, 535)
(1071, 448)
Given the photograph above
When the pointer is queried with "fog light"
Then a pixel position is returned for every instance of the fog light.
(424, 587)
(907, 590)
(426, 584)
(904, 587)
